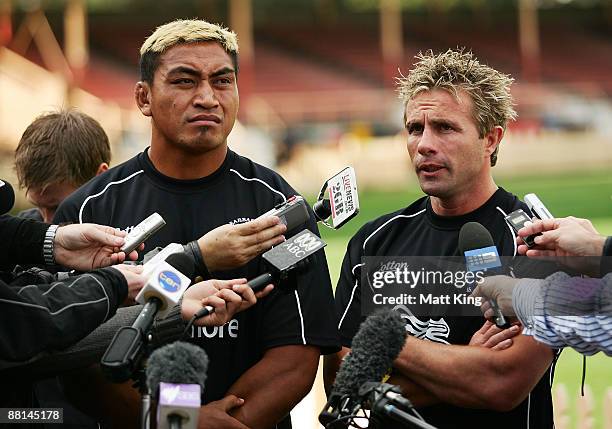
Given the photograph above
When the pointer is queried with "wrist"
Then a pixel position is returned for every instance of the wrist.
(49, 249)
(194, 249)
(598, 242)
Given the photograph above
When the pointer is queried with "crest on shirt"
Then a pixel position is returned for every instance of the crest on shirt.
(240, 220)
(432, 330)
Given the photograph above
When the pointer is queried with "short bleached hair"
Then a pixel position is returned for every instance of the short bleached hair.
(456, 70)
(179, 32)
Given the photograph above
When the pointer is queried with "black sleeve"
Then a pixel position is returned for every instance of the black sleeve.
(37, 318)
(303, 314)
(22, 241)
(348, 292)
(67, 212)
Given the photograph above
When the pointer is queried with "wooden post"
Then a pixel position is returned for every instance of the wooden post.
(241, 21)
(6, 26)
(391, 38)
(529, 40)
(607, 409)
(584, 409)
(561, 407)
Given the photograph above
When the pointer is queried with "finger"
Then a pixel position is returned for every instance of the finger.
(265, 291)
(220, 313)
(231, 298)
(501, 335)
(246, 293)
(485, 327)
(257, 225)
(105, 235)
(257, 249)
(265, 235)
(227, 284)
(503, 345)
(230, 402)
(133, 256)
(538, 226)
(484, 307)
(489, 314)
(109, 229)
(492, 331)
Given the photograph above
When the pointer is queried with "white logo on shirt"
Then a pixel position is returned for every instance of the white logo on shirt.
(240, 220)
(432, 330)
(229, 329)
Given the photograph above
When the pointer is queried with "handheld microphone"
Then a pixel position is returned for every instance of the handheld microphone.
(376, 344)
(282, 259)
(167, 282)
(342, 203)
(163, 290)
(176, 374)
(476, 244)
(7, 197)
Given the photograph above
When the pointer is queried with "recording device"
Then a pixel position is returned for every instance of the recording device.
(176, 374)
(292, 212)
(376, 344)
(164, 288)
(7, 197)
(282, 259)
(517, 220)
(476, 244)
(142, 232)
(152, 263)
(342, 202)
(387, 403)
(537, 207)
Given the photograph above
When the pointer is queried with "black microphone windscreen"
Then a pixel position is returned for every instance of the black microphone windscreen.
(374, 348)
(474, 236)
(183, 263)
(178, 363)
(7, 197)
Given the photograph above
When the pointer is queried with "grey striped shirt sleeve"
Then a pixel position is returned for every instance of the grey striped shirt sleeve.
(564, 311)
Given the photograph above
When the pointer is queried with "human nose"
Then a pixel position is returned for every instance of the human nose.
(427, 143)
(205, 97)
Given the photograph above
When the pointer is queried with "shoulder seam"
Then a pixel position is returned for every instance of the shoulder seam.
(387, 222)
(255, 179)
(108, 185)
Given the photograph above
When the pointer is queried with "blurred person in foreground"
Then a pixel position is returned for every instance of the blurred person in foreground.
(560, 310)
(57, 153)
(456, 113)
(211, 198)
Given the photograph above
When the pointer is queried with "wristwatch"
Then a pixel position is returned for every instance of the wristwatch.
(49, 245)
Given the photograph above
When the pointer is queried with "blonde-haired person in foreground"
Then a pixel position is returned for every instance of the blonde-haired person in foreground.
(264, 360)
(456, 111)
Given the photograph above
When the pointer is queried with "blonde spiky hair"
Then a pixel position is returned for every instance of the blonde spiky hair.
(456, 70)
(183, 31)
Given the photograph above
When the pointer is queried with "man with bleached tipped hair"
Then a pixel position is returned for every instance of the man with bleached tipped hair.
(456, 111)
(265, 359)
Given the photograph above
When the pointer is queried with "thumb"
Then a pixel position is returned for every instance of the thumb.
(105, 235)
(230, 402)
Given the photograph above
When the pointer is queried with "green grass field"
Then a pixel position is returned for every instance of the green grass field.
(587, 195)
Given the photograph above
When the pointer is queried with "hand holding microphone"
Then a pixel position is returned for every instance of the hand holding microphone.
(224, 297)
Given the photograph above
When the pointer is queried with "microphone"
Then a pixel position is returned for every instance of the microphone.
(342, 203)
(7, 197)
(167, 283)
(476, 244)
(282, 259)
(375, 346)
(165, 286)
(177, 372)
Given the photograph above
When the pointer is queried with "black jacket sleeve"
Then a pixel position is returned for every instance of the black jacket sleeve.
(22, 241)
(37, 318)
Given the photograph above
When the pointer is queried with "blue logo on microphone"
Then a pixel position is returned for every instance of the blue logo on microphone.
(169, 281)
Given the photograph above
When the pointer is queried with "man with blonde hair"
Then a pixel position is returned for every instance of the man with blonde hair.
(456, 113)
(265, 359)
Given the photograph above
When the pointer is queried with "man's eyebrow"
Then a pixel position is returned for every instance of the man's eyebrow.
(224, 70)
(440, 121)
(185, 70)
